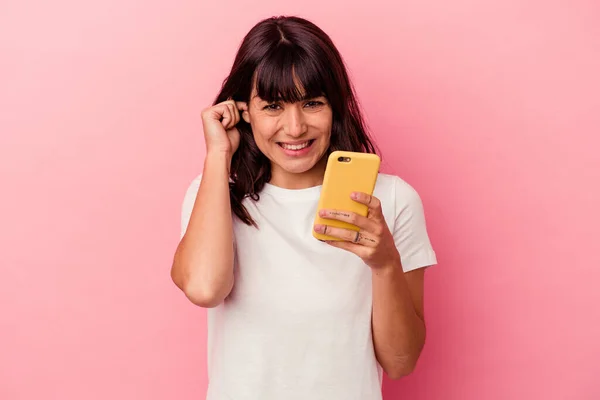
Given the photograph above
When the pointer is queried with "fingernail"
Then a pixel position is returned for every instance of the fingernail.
(322, 213)
(354, 195)
(318, 228)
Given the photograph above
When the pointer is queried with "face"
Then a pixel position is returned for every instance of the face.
(294, 136)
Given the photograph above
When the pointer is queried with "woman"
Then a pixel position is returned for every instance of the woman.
(291, 317)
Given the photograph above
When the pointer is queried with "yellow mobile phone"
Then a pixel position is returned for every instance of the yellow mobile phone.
(346, 172)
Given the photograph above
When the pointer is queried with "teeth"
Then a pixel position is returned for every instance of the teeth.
(294, 146)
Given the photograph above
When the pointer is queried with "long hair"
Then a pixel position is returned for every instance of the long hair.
(269, 53)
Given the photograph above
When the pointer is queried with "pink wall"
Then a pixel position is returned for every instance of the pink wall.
(490, 110)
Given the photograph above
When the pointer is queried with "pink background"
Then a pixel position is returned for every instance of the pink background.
(490, 109)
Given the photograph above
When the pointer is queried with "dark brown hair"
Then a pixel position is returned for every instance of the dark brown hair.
(273, 53)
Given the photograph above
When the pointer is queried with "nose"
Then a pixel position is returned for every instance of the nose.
(294, 124)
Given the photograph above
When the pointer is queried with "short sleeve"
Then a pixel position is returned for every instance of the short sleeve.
(410, 230)
(188, 203)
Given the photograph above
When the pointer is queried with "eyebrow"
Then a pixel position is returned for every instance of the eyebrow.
(304, 98)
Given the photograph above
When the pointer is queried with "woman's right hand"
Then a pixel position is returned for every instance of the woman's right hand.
(219, 123)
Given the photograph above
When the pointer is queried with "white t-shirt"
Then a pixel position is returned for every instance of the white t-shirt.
(297, 324)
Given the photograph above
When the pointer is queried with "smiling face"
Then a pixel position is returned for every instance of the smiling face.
(294, 136)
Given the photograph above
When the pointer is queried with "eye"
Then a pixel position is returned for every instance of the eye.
(314, 103)
(272, 107)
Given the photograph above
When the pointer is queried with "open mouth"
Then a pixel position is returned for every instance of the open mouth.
(296, 147)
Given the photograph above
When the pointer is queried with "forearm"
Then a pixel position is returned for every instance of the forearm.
(203, 264)
(398, 331)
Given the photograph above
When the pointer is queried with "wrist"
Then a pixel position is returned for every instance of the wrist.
(394, 267)
(218, 158)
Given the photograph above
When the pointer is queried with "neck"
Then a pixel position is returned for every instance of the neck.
(289, 180)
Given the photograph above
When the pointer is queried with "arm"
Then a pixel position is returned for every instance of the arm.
(203, 263)
(398, 316)
(398, 323)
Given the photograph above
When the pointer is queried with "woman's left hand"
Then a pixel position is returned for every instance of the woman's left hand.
(373, 243)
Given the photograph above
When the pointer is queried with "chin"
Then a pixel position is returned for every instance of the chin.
(298, 166)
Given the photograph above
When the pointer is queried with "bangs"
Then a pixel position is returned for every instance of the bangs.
(290, 75)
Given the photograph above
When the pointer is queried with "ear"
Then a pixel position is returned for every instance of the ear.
(246, 116)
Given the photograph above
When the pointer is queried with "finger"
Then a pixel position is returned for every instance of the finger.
(360, 251)
(351, 247)
(360, 238)
(232, 113)
(365, 198)
(364, 239)
(243, 107)
(216, 112)
(363, 223)
(370, 201)
(340, 233)
(236, 112)
(224, 114)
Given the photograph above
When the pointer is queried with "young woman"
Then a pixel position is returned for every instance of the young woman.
(291, 317)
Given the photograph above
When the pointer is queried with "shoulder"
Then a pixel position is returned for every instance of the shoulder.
(396, 192)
